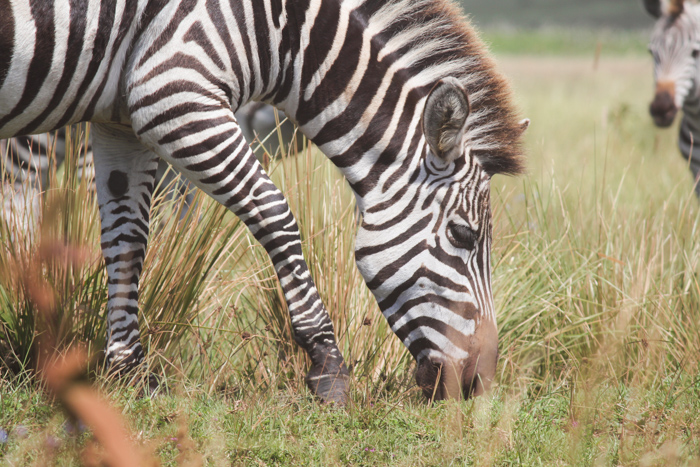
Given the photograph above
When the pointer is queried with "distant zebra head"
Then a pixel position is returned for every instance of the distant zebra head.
(675, 46)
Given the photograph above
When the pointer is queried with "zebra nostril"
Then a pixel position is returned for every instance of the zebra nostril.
(443, 380)
(428, 376)
(664, 118)
(663, 109)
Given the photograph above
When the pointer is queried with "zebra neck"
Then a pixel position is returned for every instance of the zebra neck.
(689, 138)
(351, 98)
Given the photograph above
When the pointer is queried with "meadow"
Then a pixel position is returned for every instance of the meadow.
(595, 277)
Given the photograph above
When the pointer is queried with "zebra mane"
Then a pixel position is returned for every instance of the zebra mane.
(444, 43)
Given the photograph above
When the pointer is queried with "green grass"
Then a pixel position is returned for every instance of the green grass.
(611, 14)
(595, 281)
(560, 41)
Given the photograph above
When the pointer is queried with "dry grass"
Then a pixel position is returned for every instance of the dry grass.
(595, 279)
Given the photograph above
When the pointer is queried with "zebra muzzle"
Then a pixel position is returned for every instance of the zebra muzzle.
(663, 109)
(442, 378)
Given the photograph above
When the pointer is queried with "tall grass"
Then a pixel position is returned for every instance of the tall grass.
(326, 213)
(582, 269)
(595, 275)
(182, 258)
(68, 216)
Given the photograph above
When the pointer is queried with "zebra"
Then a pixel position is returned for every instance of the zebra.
(401, 95)
(675, 46)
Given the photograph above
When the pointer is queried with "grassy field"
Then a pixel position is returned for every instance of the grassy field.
(595, 280)
(612, 14)
(563, 42)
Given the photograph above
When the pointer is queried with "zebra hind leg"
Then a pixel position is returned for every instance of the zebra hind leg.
(124, 176)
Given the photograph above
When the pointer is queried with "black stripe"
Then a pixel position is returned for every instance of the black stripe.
(443, 328)
(125, 24)
(388, 204)
(99, 47)
(197, 35)
(182, 60)
(184, 8)
(218, 20)
(239, 15)
(387, 158)
(76, 36)
(421, 273)
(388, 271)
(336, 80)
(398, 240)
(40, 65)
(263, 38)
(176, 112)
(276, 7)
(290, 45)
(192, 128)
(7, 38)
(202, 147)
(171, 89)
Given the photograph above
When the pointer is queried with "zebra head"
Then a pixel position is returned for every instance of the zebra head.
(427, 258)
(675, 46)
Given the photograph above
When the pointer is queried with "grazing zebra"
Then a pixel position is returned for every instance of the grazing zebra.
(675, 46)
(399, 94)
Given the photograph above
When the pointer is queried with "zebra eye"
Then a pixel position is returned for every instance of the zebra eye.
(696, 53)
(462, 236)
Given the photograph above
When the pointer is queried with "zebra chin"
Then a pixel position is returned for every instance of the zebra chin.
(441, 377)
(665, 119)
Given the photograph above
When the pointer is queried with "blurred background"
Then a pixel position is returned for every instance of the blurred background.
(614, 14)
(561, 26)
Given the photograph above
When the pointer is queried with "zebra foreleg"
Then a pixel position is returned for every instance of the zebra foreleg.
(225, 168)
(124, 175)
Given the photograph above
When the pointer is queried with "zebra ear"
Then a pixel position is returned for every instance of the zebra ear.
(653, 7)
(445, 118)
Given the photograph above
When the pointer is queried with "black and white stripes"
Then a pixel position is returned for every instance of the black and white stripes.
(675, 46)
(399, 94)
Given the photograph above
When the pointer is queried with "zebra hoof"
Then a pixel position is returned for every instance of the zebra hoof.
(154, 385)
(146, 385)
(331, 388)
